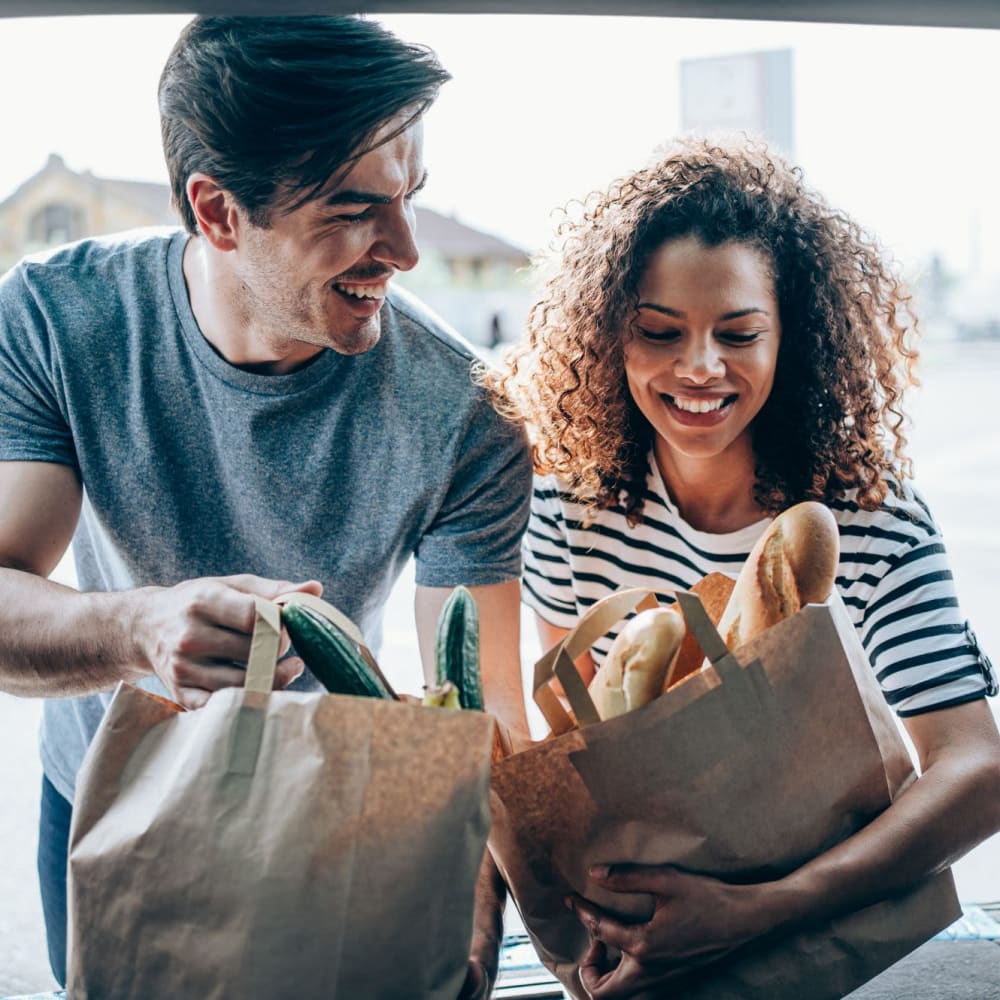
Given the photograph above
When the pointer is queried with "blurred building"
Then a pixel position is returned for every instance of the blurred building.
(476, 281)
(744, 92)
(956, 305)
(59, 205)
(974, 306)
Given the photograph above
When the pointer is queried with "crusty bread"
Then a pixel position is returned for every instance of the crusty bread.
(637, 663)
(793, 563)
(714, 591)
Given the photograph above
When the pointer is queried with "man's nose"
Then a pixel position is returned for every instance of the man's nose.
(396, 242)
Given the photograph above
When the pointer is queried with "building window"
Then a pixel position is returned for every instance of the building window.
(55, 223)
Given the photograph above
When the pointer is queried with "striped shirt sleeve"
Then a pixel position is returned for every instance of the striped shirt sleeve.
(547, 578)
(898, 586)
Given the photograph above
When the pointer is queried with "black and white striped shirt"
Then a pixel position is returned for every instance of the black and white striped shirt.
(893, 577)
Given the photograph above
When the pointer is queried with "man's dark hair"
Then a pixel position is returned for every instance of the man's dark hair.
(262, 103)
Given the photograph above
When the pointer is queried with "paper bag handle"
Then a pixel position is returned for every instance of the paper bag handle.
(707, 636)
(263, 646)
(558, 661)
(267, 637)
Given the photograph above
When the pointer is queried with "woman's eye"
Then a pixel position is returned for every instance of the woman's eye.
(732, 337)
(660, 336)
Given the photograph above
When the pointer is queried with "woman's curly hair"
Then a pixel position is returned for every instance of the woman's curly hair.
(834, 419)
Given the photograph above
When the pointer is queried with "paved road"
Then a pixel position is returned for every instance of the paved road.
(957, 448)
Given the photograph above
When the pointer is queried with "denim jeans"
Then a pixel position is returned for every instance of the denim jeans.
(53, 848)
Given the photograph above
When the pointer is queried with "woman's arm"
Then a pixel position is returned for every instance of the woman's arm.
(953, 806)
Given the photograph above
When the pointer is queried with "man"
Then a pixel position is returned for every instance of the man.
(212, 413)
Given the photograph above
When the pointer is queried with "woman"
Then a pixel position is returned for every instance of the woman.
(714, 345)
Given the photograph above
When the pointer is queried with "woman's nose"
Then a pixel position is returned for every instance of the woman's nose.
(699, 361)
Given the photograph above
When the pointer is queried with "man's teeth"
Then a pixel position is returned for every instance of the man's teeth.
(363, 291)
(698, 405)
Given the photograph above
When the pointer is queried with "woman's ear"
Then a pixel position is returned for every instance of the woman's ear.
(215, 211)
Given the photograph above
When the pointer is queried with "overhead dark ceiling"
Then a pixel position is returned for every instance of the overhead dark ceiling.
(939, 13)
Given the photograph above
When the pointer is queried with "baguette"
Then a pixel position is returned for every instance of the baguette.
(640, 658)
(794, 563)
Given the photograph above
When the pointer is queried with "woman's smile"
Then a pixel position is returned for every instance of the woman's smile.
(701, 410)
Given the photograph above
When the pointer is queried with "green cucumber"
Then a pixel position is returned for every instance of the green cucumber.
(330, 654)
(457, 648)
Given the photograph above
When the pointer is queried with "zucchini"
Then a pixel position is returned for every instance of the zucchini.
(442, 696)
(330, 654)
(457, 648)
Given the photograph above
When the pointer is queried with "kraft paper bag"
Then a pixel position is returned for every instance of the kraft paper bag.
(744, 770)
(276, 844)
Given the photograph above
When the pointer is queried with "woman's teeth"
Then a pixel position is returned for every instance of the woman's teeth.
(698, 405)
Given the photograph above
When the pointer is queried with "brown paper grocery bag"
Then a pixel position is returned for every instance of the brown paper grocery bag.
(276, 844)
(745, 770)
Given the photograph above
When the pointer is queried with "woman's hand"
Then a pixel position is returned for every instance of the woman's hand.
(696, 919)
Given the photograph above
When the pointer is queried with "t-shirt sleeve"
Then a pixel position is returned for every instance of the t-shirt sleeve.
(547, 582)
(924, 653)
(475, 538)
(33, 426)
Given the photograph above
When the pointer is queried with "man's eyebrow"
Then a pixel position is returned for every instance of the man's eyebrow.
(352, 196)
(677, 314)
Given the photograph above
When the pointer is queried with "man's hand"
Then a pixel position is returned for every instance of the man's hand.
(478, 982)
(487, 932)
(695, 920)
(193, 635)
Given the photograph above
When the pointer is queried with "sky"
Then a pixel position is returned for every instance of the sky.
(894, 125)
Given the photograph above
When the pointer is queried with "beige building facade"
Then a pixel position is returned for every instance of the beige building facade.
(475, 280)
(59, 205)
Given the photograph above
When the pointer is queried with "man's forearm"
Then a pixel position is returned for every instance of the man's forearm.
(487, 929)
(499, 647)
(57, 642)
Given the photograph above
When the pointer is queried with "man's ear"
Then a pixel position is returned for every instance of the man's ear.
(216, 211)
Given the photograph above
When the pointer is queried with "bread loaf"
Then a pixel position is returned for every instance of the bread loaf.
(640, 657)
(794, 563)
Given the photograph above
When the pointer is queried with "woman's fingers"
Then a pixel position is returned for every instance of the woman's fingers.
(656, 879)
(606, 928)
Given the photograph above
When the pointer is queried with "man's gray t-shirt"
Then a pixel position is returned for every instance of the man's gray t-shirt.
(339, 471)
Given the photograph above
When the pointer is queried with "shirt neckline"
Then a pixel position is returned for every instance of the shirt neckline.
(741, 540)
(254, 382)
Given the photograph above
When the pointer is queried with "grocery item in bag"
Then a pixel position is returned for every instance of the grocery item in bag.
(276, 843)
